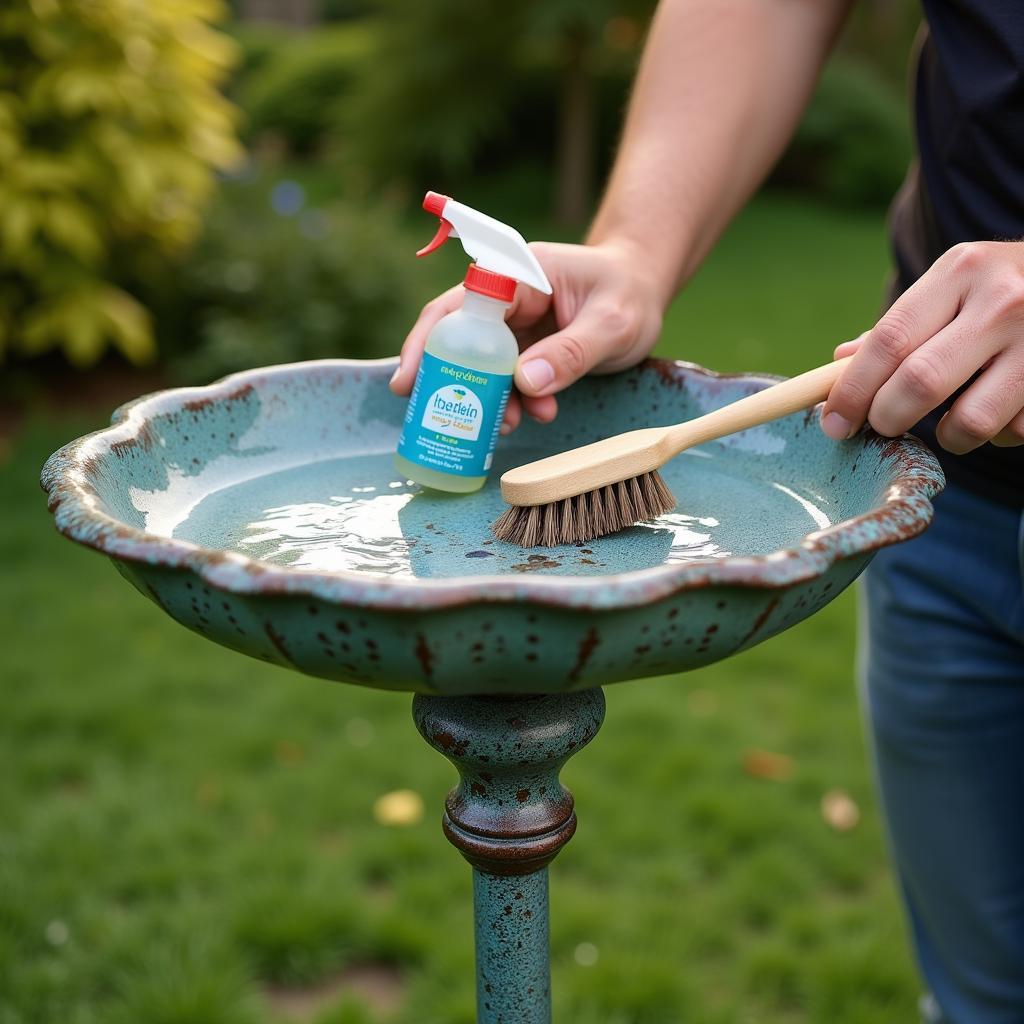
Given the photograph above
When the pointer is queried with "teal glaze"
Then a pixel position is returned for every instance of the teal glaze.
(263, 512)
(509, 816)
(511, 913)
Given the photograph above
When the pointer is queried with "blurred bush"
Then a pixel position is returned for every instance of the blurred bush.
(880, 33)
(477, 88)
(111, 125)
(256, 44)
(273, 279)
(853, 145)
(431, 91)
(474, 90)
(291, 84)
(449, 77)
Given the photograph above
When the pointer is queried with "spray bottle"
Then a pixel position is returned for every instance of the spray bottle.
(458, 401)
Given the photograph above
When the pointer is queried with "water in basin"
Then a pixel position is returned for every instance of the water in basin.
(358, 514)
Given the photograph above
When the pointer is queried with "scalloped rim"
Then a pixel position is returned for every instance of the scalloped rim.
(905, 512)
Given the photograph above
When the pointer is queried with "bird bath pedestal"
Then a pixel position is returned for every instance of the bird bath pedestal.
(264, 512)
(508, 817)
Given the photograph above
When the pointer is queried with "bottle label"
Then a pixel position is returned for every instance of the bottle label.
(453, 418)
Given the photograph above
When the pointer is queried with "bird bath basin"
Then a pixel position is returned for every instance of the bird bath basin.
(264, 512)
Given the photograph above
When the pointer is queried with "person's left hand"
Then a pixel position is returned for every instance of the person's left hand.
(965, 314)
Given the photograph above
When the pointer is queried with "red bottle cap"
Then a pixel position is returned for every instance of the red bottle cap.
(494, 286)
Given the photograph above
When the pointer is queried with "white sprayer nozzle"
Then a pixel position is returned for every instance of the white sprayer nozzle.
(492, 245)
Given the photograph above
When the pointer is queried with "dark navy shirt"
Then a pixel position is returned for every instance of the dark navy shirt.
(968, 183)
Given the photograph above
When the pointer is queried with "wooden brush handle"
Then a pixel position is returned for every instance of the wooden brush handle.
(774, 402)
(641, 451)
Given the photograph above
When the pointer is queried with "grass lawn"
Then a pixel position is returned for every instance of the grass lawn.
(188, 836)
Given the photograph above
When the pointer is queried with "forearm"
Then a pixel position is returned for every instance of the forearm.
(719, 92)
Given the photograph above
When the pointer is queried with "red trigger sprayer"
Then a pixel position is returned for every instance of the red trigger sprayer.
(457, 403)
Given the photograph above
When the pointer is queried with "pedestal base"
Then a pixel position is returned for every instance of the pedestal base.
(509, 816)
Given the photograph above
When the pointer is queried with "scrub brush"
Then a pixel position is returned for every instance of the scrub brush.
(611, 484)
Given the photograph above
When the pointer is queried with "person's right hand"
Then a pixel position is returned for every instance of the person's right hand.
(604, 315)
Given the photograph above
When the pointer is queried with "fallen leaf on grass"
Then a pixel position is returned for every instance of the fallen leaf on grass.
(766, 764)
(839, 810)
(400, 807)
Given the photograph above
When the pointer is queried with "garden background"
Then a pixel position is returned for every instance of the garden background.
(188, 837)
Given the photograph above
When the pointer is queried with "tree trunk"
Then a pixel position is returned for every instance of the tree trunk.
(575, 158)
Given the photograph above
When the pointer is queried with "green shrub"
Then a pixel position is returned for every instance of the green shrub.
(429, 91)
(444, 85)
(295, 85)
(263, 287)
(258, 44)
(853, 144)
(110, 128)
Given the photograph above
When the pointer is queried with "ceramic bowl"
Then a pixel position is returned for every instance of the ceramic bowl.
(265, 513)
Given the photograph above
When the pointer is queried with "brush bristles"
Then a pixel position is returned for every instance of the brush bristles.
(588, 515)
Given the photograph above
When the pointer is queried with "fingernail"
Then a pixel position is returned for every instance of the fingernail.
(398, 370)
(839, 428)
(506, 428)
(539, 373)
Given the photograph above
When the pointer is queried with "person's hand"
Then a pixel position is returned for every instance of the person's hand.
(965, 314)
(604, 315)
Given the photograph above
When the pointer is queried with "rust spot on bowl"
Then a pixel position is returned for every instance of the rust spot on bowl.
(121, 448)
(424, 655)
(667, 371)
(278, 641)
(759, 621)
(198, 404)
(586, 649)
(535, 562)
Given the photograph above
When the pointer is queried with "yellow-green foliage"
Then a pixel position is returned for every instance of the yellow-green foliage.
(111, 127)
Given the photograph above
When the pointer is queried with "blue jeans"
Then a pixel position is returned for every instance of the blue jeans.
(945, 703)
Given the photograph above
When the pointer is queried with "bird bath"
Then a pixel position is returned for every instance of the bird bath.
(264, 512)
